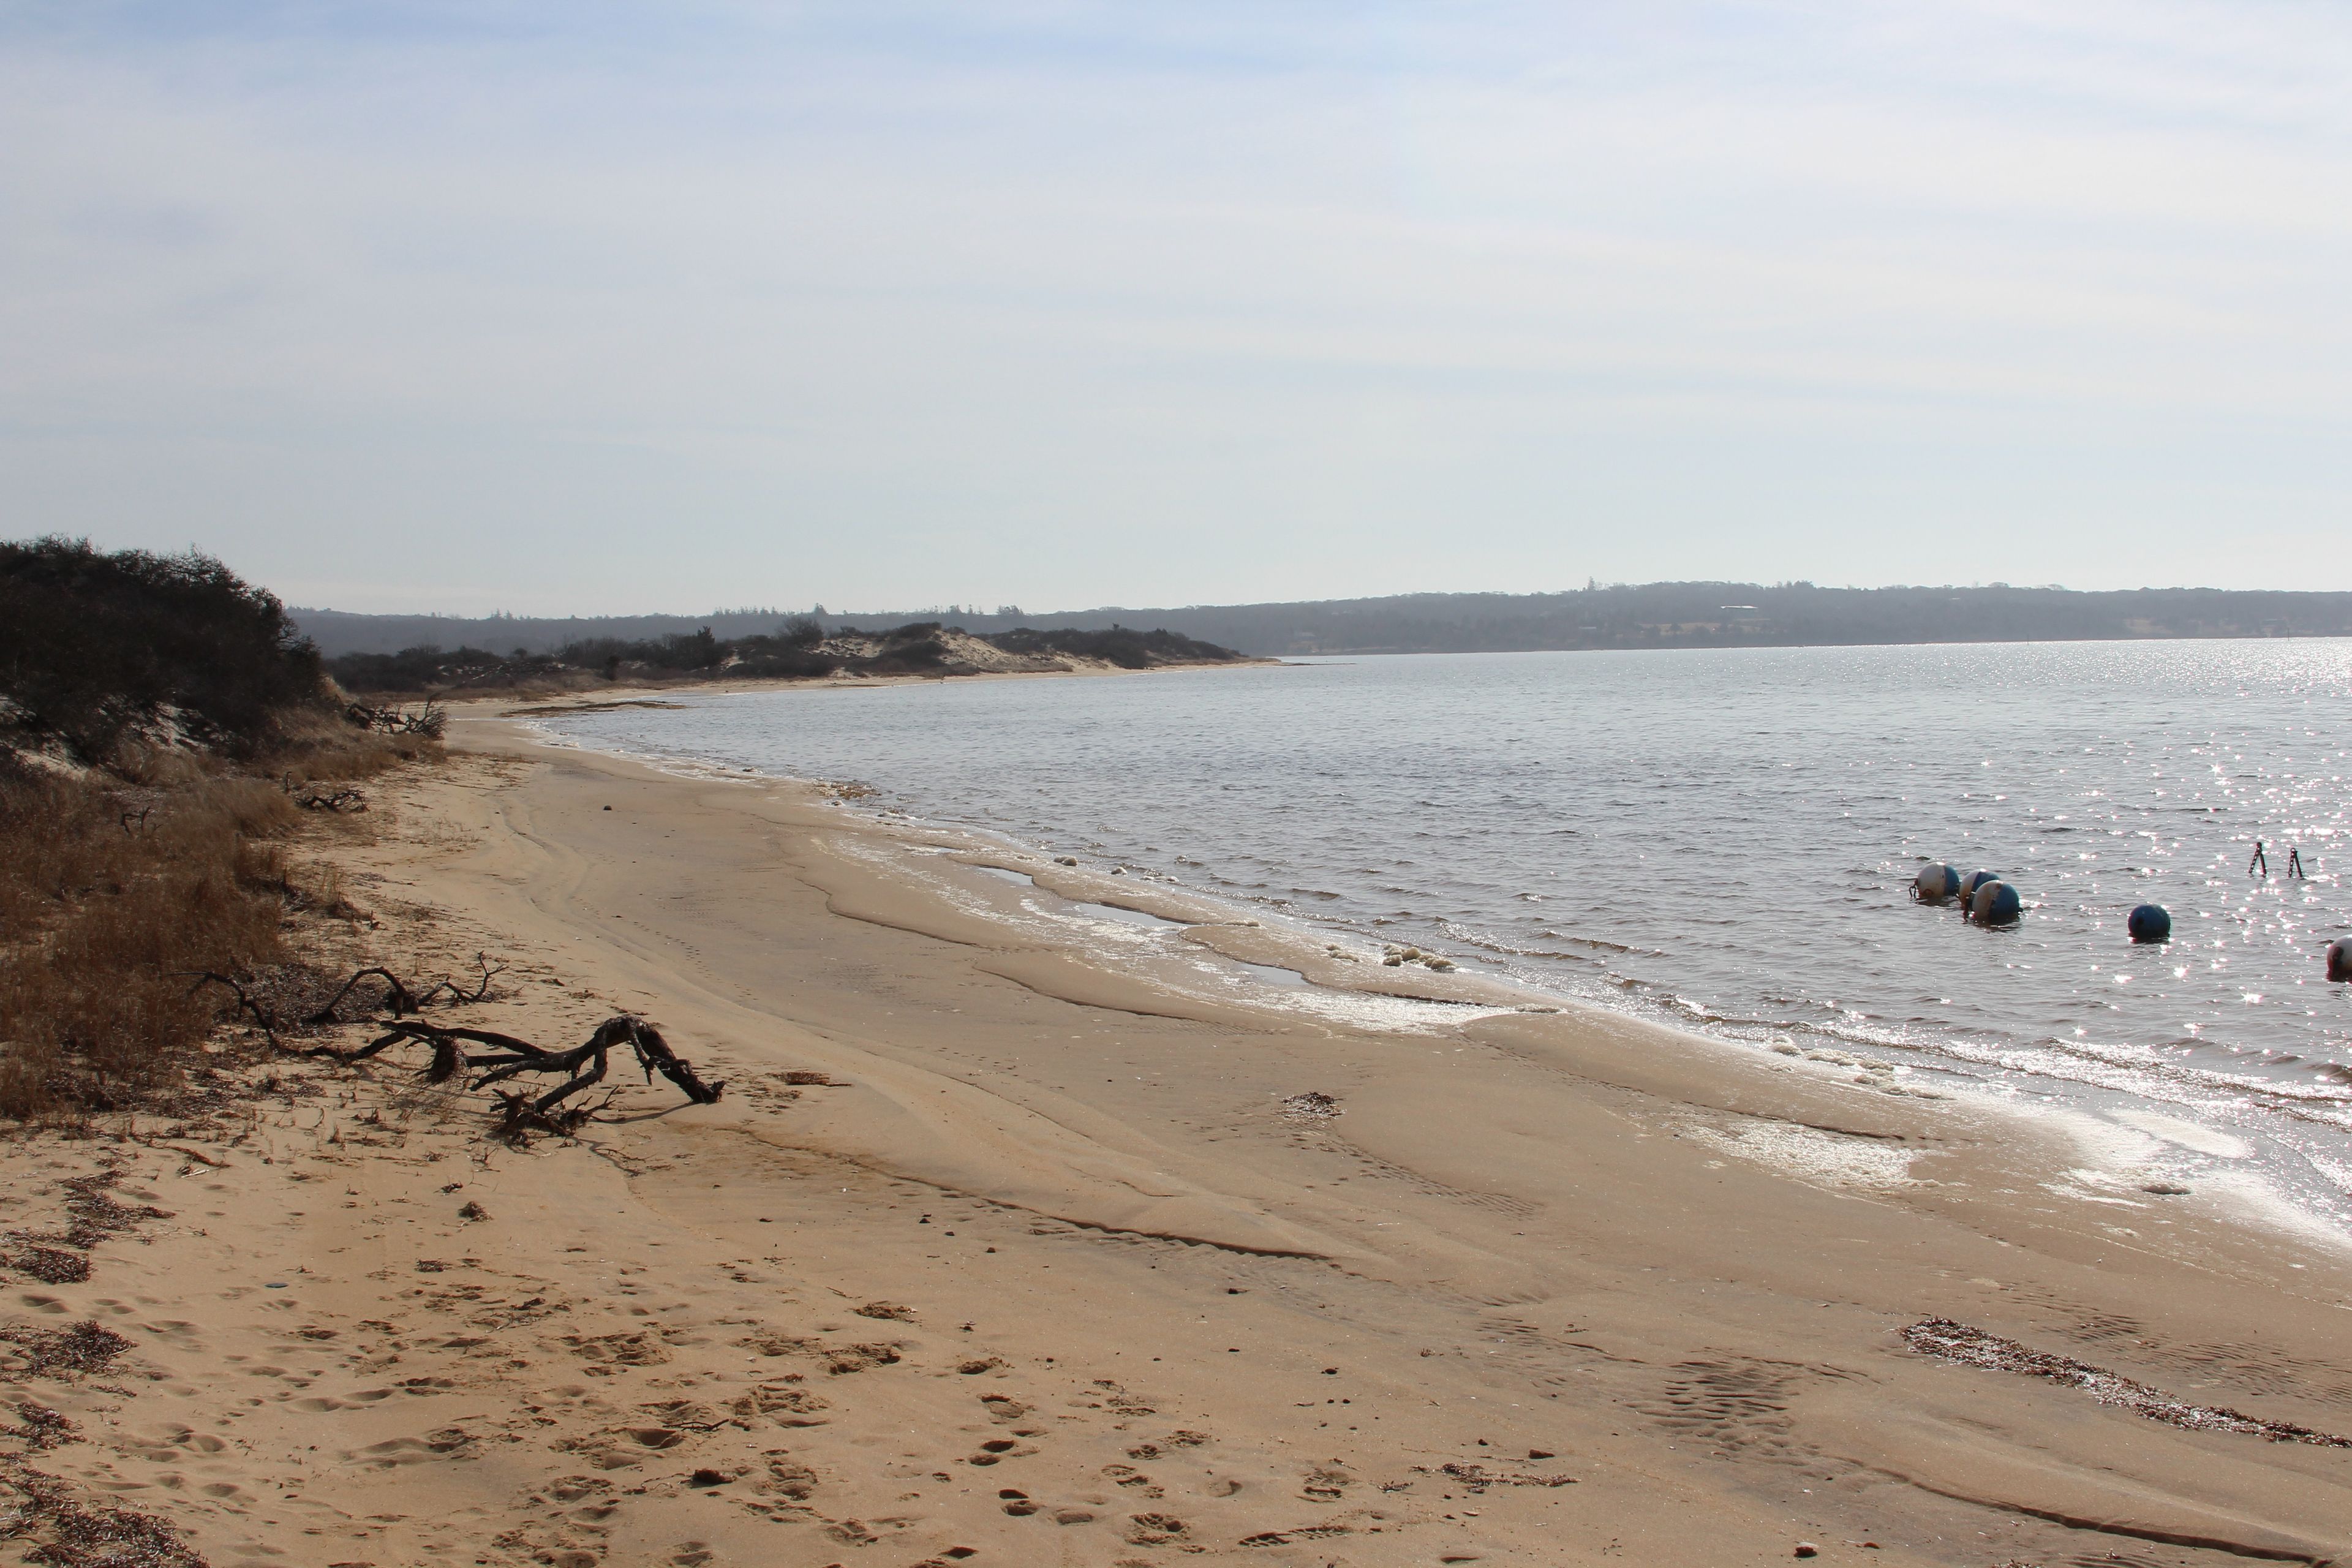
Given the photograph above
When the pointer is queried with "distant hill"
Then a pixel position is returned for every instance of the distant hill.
(1652, 615)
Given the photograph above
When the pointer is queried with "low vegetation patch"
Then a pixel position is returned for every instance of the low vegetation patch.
(162, 735)
(117, 897)
(97, 649)
(799, 649)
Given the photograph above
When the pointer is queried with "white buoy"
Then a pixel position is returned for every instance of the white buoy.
(1934, 884)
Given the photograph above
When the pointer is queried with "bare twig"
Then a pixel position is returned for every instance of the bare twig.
(397, 997)
(481, 993)
(261, 1015)
(340, 800)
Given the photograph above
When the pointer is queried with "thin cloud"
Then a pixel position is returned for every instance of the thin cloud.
(626, 305)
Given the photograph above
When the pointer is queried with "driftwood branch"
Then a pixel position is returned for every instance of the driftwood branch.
(580, 1068)
(262, 1016)
(481, 992)
(496, 1058)
(397, 997)
(400, 999)
(340, 800)
(431, 722)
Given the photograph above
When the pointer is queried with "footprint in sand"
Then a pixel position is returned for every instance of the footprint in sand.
(572, 1489)
(785, 1405)
(1153, 1530)
(1327, 1484)
(787, 1477)
(998, 1448)
(417, 1451)
(1133, 1480)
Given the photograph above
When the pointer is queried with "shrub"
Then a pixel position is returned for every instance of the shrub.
(929, 653)
(112, 901)
(96, 647)
(785, 663)
(428, 668)
(1121, 645)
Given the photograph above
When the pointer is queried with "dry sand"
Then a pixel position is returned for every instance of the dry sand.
(994, 1254)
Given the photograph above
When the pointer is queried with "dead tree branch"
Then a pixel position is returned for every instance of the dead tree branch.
(263, 1016)
(340, 800)
(497, 1058)
(431, 722)
(480, 993)
(582, 1067)
(400, 999)
(397, 997)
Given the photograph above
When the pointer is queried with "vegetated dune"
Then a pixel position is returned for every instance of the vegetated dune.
(799, 649)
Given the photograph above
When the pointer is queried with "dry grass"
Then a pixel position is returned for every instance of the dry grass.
(116, 895)
(109, 917)
(328, 751)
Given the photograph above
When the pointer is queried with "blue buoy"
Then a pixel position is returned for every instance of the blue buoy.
(2150, 922)
(1974, 881)
(2339, 959)
(1934, 884)
(1994, 903)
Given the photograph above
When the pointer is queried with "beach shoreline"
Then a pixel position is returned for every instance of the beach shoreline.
(2099, 1148)
(1136, 1272)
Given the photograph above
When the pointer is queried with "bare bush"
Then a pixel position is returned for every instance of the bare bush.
(105, 922)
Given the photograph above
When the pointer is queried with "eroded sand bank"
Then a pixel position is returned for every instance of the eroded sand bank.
(994, 1254)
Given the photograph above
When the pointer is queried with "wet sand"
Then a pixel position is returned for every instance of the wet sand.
(995, 1253)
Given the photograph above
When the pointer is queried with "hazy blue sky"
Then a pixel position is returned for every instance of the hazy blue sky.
(600, 306)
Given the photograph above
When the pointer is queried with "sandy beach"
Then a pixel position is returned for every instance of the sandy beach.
(995, 1253)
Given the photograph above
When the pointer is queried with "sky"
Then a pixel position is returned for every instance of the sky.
(582, 305)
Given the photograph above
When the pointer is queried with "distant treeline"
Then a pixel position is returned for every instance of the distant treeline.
(788, 649)
(798, 648)
(1723, 615)
(1652, 615)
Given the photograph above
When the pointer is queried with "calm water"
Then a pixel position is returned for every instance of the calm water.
(1726, 839)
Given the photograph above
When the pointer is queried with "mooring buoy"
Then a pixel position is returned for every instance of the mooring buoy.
(1993, 903)
(2150, 922)
(1934, 884)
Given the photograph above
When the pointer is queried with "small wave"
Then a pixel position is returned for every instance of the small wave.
(1492, 943)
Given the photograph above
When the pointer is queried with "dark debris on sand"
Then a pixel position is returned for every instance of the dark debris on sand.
(38, 1508)
(62, 1258)
(86, 1347)
(1964, 1346)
